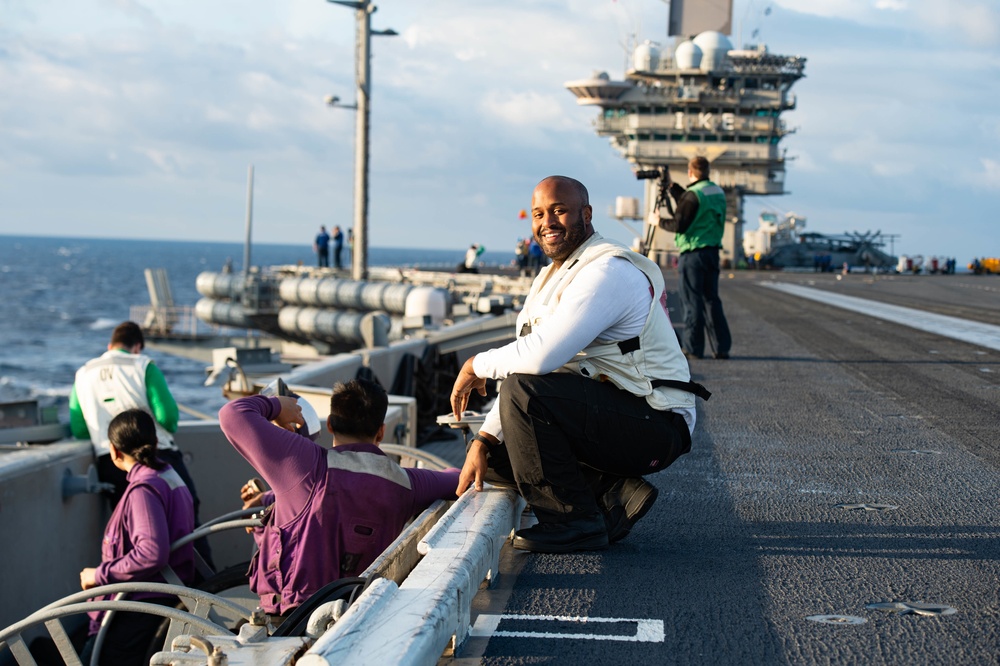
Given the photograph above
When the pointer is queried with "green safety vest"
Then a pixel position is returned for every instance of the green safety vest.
(710, 221)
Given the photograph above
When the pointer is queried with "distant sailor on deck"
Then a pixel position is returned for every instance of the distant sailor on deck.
(322, 247)
(338, 247)
(471, 257)
(335, 510)
(596, 392)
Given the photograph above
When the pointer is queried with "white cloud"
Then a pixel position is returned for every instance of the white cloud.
(468, 109)
(977, 21)
(989, 177)
(525, 110)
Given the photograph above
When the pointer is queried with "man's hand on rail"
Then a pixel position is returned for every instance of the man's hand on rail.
(476, 464)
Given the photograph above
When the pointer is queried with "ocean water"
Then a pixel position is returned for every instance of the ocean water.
(62, 297)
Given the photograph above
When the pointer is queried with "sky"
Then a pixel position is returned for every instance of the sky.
(140, 119)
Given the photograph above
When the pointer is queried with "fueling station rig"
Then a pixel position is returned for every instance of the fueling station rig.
(698, 96)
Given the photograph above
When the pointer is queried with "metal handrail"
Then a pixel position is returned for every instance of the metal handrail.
(218, 524)
(436, 463)
(207, 529)
(70, 605)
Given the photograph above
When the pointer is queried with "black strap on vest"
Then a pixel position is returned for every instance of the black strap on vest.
(632, 344)
(690, 387)
(629, 345)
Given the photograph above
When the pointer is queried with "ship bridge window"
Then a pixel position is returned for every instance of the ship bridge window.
(676, 137)
(774, 140)
(761, 139)
(659, 137)
(751, 84)
(743, 138)
(710, 137)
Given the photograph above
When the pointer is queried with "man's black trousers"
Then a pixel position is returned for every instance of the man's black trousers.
(567, 438)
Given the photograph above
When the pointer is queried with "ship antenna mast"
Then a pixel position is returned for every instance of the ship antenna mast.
(756, 31)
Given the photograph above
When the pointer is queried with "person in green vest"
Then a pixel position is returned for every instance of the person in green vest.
(699, 221)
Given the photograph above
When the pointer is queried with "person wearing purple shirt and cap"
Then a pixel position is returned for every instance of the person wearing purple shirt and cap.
(334, 510)
(155, 510)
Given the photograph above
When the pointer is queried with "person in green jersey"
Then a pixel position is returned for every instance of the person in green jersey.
(699, 222)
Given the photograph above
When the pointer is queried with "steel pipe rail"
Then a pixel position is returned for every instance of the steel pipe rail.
(429, 459)
(412, 623)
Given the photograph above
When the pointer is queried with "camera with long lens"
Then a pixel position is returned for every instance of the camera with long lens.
(660, 172)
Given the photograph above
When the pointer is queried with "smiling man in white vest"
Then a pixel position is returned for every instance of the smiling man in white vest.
(596, 392)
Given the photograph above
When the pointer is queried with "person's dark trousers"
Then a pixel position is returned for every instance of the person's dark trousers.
(175, 459)
(562, 431)
(108, 473)
(129, 637)
(699, 291)
(336, 257)
(323, 258)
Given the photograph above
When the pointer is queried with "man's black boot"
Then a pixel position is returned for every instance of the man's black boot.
(624, 503)
(589, 533)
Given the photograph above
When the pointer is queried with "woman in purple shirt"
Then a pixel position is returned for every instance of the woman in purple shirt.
(155, 510)
(335, 510)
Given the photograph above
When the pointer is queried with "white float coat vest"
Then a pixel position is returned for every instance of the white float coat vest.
(108, 385)
(632, 365)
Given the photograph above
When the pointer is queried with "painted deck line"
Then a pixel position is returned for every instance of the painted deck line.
(973, 332)
(647, 630)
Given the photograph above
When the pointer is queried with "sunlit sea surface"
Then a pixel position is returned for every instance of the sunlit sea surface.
(61, 298)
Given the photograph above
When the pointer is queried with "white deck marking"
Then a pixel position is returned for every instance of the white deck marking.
(984, 335)
(646, 631)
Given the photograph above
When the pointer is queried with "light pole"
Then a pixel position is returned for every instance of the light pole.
(363, 11)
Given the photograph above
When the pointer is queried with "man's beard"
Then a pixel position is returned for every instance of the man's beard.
(573, 237)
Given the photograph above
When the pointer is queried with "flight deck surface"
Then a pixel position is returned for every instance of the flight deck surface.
(843, 461)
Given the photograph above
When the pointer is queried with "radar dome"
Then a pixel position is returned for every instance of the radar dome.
(687, 55)
(646, 57)
(715, 46)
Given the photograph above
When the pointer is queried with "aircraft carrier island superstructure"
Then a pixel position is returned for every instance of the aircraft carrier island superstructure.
(698, 97)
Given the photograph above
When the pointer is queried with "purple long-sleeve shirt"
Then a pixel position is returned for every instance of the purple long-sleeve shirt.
(156, 510)
(335, 510)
